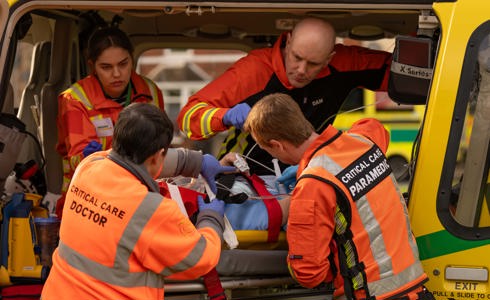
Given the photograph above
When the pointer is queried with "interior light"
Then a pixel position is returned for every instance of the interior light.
(366, 32)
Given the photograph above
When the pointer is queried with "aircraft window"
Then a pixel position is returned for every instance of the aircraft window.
(179, 73)
(385, 103)
(470, 196)
(360, 100)
(355, 100)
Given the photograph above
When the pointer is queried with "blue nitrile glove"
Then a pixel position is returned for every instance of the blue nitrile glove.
(210, 168)
(216, 205)
(236, 115)
(92, 147)
(288, 177)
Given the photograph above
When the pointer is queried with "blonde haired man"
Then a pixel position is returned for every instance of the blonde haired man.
(347, 219)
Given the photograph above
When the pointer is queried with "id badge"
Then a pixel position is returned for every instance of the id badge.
(103, 127)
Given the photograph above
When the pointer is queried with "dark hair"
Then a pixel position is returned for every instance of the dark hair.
(141, 130)
(106, 37)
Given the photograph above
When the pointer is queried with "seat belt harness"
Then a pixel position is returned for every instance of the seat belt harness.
(274, 211)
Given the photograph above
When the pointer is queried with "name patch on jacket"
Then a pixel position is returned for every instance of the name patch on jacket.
(103, 127)
(365, 173)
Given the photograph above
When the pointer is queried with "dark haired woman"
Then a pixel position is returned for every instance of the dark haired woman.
(88, 110)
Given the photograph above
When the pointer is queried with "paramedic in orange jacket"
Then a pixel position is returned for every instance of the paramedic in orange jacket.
(306, 64)
(348, 222)
(119, 237)
(88, 110)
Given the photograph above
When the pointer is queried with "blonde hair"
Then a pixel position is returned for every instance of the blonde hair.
(277, 116)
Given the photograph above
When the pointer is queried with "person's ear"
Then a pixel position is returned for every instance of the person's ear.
(276, 144)
(153, 159)
(288, 39)
(154, 163)
(329, 58)
(156, 156)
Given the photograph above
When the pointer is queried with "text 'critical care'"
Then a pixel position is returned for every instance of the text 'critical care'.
(365, 173)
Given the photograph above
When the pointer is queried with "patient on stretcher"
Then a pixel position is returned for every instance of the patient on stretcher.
(252, 214)
(245, 208)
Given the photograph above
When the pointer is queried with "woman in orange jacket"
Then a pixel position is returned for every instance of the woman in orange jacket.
(348, 223)
(120, 238)
(88, 110)
(90, 107)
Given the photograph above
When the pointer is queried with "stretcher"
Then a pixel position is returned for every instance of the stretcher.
(248, 274)
(257, 273)
(255, 269)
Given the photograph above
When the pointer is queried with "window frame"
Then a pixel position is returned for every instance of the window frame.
(456, 130)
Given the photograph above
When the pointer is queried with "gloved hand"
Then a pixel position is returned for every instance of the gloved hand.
(210, 168)
(288, 177)
(236, 115)
(92, 147)
(216, 205)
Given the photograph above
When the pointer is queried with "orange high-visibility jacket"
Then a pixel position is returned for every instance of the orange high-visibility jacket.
(119, 240)
(261, 73)
(85, 114)
(351, 166)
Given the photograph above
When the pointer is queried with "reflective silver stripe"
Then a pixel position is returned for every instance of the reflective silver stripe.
(325, 162)
(360, 138)
(153, 90)
(388, 284)
(376, 240)
(107, 274)
(80, 95)
(188, 262)
(133, 229)
(411, 239)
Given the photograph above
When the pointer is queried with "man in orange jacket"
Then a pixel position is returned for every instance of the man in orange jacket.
(119, 237)
(304, 63)
(347, 219)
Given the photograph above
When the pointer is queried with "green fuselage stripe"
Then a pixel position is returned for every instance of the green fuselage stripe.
(403, 135)
(442, 243)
